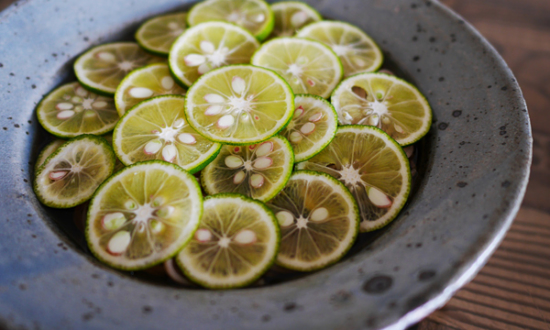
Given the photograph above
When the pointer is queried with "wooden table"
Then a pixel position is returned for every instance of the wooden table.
(513, 290)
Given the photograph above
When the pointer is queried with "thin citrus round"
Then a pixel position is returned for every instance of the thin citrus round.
(290, 16)
(159, 33)
(47, 151)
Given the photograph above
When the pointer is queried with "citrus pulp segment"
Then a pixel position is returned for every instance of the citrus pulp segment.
(384, 101)
(208, 46)
(258, 171)
(319, 221)
(357, 51)
(312, 126)
(72, 173)
(157, 129)
(158, 34)
(254, 15)
(237, 241)
(145, 83)
(308, 66)
(291, 16)
(372, 166)
(71, 110)
(143, 215)
(103, 67)
(239, 104)
(47, 151)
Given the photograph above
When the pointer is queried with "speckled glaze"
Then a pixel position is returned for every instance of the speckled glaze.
(474, 169)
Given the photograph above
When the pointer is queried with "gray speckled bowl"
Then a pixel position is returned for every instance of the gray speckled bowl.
(475, 165)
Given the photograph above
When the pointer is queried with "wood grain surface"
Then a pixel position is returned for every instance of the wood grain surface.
(513, 290)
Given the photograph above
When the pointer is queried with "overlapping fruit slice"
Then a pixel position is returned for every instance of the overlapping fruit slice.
(159, 33)
(291, 16)
(49, 149)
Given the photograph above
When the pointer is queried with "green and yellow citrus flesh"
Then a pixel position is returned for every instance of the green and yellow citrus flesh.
(145, 83)
(357, 51)
(159, 33)
(143, 215)
(308, 66)
(71, 110)
(312, 127)
(384, 101)
(291, 16)
(254, 15)
(237, 241)
(258, 171)
(239, 104)
(102, 68)
(72, 173)
(47, 151)
(208, 46)
(372, 166)
(157, 129)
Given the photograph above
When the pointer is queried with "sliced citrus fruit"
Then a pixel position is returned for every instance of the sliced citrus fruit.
(71, 110)
(291, 16)
(384, 101)
(143, 215)
(102, 68)
(237, 241)
(145, 83)
(312, 127)
(72, 173)
(157, 129)
(208, 46)
(357, 51)
(309, 66)
(254, 15)
(374, 168)
(239, 104)
(158, 33)
(319, 221)
(259, 171)
(47, 151)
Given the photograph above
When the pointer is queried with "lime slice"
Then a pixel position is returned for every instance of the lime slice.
(259, 171)
(102, 68)
(239, 104)
(157, 129)
(71, 110)
(309, 66)
(158, 34)
(208, 46)
(254, 15)
(357, 51)
(312, 127)
(374, 168)
(393, 105)
(291, 16)
(237, 241)
(143, 215)
(118, 164)
(72, 173)
(319, 221)
(144, 83)
(47, 151)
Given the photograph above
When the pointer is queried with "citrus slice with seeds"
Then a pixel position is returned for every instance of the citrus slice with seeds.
(208, 46)
(309, 66)
(357, 51)
(72, 173)
(102, 68)
(319, 221)
(159, 33)
(143, 215)
(71, 110)
(291, 16)
(312, 127)
(258, 171)
(372, 166)
(254, 15)
(157, 129)
(237, 241)
(145, 83)
(384, 101)
(239, 104)
(47, 151)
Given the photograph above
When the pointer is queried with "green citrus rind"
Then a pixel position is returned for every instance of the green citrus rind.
(282, 6)
(142, 30)
(49, 149)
